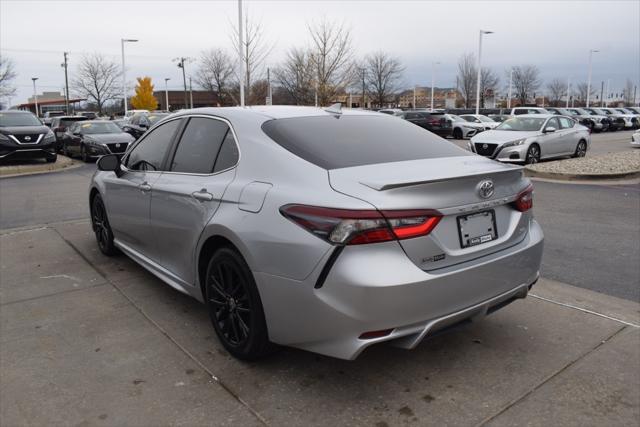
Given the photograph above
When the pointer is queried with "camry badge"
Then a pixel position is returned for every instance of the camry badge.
(485, 188)
(27, 138)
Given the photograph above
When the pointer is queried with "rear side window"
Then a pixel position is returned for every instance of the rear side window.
(332, 142)
(566, 123)
(229, 154)
(199, 146)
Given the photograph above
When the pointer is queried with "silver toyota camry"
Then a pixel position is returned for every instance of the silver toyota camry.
(325, 230)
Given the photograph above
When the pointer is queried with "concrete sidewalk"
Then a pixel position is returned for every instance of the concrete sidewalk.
(90, 340)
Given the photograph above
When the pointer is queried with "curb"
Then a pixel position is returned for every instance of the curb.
(580, 177)
(63, 163)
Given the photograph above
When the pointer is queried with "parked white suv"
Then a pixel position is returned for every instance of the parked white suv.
(516, 111)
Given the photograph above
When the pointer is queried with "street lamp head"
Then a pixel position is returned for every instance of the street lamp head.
(34, 78)
(129, 40)
(166, 79)
(486, 32)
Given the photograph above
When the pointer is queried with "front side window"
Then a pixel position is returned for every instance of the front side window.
(553, 123)
(199, 146)
(150, 152)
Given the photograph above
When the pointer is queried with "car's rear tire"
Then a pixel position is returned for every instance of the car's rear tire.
(581, 149)
(457, 133)
(533, 155)
(101, 227)
(83, 154)
(235, 307)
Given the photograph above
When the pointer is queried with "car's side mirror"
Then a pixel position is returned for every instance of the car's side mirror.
(110, 163)
(549, 129)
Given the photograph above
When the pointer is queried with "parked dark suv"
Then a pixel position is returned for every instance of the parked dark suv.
(435, 122)
(139, 123)
(22, 135)
(59, 126)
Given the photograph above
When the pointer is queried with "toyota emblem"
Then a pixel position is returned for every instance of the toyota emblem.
(117, 145)
(27, 138)
(486, 188)
(485, 146)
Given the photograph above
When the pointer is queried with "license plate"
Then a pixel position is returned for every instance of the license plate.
(478, 228)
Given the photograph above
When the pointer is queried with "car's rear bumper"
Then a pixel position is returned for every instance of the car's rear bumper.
(377, 287)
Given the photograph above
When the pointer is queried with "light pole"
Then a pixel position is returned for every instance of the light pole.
(568, 90)
(124, 77)
(243, 73)
(414, 97)
(35, 94)
(190, 94)
(510, 86)
(66, 82)
(591, 52)
(166, 92)
(433, 72)
(480, 69)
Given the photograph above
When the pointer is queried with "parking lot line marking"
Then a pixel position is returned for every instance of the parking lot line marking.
(549, 378)
(585, 310)
(221, 383)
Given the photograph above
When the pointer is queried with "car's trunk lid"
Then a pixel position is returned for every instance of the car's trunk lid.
(449, 185)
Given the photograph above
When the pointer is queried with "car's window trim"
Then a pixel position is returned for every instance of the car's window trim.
(175, 144)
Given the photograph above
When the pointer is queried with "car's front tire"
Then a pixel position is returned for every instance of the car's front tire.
(84, 155)
(101, 227)
(51, 158)
(457, 133)
(235, 307)
(581, 149)
(533, 155)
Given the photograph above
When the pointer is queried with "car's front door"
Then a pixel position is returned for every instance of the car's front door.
(128, 197)
(189, 193)
(551, 142)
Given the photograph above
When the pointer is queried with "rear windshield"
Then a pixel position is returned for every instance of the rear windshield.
(18, 119)
(68, 121)
(345, 141)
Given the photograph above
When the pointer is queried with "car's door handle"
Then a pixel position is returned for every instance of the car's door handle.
(144, 187)
(202, 195)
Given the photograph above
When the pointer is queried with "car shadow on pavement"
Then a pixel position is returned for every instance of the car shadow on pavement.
(462, 377)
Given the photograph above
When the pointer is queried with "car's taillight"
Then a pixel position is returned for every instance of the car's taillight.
(356, 227)
(524, 202)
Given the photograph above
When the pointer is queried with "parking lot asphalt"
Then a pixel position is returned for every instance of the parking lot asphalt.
(91, 340)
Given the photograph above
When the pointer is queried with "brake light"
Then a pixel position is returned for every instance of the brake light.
(524, 202)
(356, 227)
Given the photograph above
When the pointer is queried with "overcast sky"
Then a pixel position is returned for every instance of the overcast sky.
(554, 35)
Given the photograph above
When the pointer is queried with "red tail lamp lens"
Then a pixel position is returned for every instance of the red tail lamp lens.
(375, 334)
(524, 202)
(356, 227)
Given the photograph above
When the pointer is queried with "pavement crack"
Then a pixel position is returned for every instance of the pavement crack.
(221, 383)
(549, 378)
(54, 294)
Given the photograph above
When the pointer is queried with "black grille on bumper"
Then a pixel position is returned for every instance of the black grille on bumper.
(27, 138)
(118, 147)
(485, 149)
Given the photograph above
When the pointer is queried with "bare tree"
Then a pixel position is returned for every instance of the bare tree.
(489, 82)
(627, 93)
(556, 89)
(296, 76)
(526, 80)
(255, 49)
(384, 73)
(331, 54)
(97, 79)
(215, 73)
(7, 75)
(467, 77)
(581, 95)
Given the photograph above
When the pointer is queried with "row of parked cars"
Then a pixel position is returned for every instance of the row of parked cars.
(23, 135)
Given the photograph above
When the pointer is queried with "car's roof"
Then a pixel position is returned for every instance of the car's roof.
(70, 117)
(266, 112)
(96, 121)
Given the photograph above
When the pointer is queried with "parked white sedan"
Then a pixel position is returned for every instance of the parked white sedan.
(480, 119)
(533, 137)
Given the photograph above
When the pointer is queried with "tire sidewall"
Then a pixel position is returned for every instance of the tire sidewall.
(254, 346)
(526, 160)
(110, 248)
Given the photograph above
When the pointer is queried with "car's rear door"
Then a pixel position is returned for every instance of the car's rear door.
(187, 195)
(551, 142)
(570, 135)
(128, 197)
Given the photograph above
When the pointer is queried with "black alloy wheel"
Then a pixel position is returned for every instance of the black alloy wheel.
(533, 155)
(101, 227)
(457, 133)
(234, 306)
